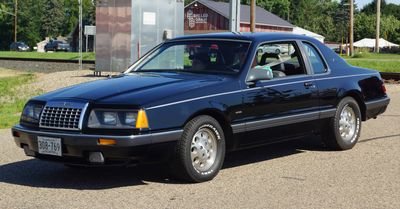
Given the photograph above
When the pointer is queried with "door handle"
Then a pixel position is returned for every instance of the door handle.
(309, 85)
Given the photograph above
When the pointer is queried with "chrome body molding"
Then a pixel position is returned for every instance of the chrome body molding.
(282, 120)
(256, 88)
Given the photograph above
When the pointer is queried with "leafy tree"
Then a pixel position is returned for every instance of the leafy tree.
(365, 27)
(52, 18)
(71, 11)
(29, 21)
(6, 24)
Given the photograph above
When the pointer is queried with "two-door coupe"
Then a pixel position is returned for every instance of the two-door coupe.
(191, 99)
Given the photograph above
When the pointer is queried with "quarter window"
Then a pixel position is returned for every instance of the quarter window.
(316, 61)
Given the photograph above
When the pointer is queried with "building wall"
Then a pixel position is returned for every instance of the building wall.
(245, 27)
(113, 41)
(127, 29)
(201, 19)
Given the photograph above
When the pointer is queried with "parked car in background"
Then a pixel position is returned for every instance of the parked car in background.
(19, 46)
(189, 109)
(54, 45)
(272, 48)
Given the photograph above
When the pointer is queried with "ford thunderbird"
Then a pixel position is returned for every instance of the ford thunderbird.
(191, 99)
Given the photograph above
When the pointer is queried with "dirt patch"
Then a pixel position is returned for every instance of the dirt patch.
(4, 73)
(53, 81)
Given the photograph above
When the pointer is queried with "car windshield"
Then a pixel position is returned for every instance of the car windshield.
(202, 56)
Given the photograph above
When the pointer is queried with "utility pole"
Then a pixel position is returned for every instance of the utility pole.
(80, 34)
(351, 27)
(253, 15)
(234, 16)
(15, 20)
(378, 22)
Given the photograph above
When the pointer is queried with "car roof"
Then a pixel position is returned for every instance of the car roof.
(257, 36)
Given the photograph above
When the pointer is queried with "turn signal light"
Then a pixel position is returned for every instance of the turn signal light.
(107, 142)
(142, 121)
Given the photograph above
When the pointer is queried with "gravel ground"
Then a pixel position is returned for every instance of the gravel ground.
(41, 67)
(52, 81)
(298, 174)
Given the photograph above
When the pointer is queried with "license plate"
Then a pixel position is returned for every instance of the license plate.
(49, 145)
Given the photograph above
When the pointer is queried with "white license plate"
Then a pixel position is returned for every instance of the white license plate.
(49, 145)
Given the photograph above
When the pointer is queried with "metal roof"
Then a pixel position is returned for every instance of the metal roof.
(263, 17)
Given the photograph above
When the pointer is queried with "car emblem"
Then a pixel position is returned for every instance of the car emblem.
(66, 104)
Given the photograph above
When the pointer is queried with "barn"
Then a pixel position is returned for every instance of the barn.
(205, 16)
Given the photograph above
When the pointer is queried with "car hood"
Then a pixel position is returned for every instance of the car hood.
(134, 89)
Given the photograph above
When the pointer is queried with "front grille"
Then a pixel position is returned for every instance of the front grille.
(60, 118)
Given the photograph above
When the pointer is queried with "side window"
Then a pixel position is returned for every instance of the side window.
(316, 61)
(282, 59)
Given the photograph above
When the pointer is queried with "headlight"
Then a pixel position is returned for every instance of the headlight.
(117, 119)
(31, 113)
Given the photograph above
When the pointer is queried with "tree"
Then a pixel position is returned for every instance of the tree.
(364, 27)
(29, 21)
(6, 24)
(71, 11)
(52, 18)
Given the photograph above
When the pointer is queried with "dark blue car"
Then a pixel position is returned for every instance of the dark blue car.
(191, 99)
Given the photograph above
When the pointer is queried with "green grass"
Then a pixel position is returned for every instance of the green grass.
(380, 62)
(55, 55)
(11, 101)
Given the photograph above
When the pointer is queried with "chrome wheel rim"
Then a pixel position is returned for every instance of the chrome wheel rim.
(203, 151)
(347, 123)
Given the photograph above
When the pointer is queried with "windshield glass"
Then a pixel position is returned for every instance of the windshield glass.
(202, 56)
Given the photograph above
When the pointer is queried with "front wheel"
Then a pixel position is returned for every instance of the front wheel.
(199, 154)
(345, 127)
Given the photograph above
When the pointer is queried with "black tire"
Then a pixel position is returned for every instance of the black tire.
(334, 139)
(182, 166)
(277, 51)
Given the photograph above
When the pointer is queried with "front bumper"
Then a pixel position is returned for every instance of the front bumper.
(76, 146)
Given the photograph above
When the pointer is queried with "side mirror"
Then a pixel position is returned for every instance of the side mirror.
(258, 74)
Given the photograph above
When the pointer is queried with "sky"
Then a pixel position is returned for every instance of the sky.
(362, 3)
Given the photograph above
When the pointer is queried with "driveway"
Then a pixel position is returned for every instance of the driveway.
(297, 174)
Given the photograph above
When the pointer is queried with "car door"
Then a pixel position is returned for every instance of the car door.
(284, 106)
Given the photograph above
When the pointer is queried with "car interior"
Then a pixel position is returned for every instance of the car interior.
(283, 64)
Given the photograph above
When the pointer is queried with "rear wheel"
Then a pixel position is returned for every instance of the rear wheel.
(345, 127)
(200, 153)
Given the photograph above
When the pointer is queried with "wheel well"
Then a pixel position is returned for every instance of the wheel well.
(222, 120)
(357, 96)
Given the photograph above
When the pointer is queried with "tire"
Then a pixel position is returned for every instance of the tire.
(196, 159)
(260, 51)
(277, 51)
(345, 127)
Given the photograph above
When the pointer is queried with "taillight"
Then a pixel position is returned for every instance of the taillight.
(383, 88)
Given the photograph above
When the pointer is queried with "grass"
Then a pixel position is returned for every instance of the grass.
(11, 101)
(54, 55)
(380, 62)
